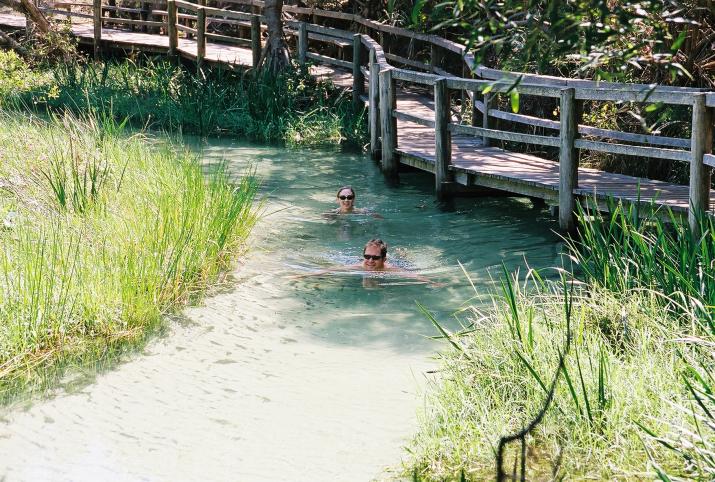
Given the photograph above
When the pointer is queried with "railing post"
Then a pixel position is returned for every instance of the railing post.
(200, 36)
(435, 59)
(302, 42)
(568, 159)
(97, 11)
(442, 138)
(171, 29)
(358, 80)
(388, 122)
(487, 100)
(700, 144)
(374, 106)
(256, 39)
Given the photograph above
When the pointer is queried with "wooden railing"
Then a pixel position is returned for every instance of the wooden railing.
(411, 57)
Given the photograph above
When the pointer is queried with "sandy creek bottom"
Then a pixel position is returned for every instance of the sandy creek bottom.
(279, 379)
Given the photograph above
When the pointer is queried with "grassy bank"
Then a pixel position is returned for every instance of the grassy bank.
(634, 398)
(101, 234)
(292, 108)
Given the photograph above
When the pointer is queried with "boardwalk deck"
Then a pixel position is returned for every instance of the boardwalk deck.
(472, 163)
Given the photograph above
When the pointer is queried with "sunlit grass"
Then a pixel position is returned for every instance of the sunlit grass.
(103, 234)
(292, 108)
(621, 370)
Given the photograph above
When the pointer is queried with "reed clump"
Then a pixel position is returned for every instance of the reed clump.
(102, 233)
(292, 108)
(634, 398)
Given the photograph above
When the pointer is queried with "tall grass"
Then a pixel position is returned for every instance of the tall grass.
(632, 248)
(620, 371)
(112, 232)
(292, 108)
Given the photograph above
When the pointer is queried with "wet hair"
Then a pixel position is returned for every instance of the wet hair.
(344, 188)
(379, 243)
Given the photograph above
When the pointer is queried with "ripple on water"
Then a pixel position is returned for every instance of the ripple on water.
(279, 379)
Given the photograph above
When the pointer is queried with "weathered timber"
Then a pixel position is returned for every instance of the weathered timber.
(628, 150)
(373, 104)
(505, 135)
(329, 60)
(701, 144)
(388, 103)
(358, 80)
(97, 11)
(255, 40)
(200, 37)
(486, 102)
(568, 160)
(171, 27)
(442, 137)
(302, 42)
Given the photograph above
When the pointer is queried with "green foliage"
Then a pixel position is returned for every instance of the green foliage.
(110, 233)
(291, 107)
(601, 37)
(620, 371)
(632, 248)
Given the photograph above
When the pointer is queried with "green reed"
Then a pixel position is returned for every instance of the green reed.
(619, 370)
(292, 107)
(633, 248)
(138, 231)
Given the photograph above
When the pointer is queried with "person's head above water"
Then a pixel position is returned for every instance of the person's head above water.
(374, 254)
(346, 199)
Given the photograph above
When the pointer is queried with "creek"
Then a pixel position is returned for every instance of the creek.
(273, 378)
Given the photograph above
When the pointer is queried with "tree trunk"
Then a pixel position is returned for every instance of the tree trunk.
(28, 8)
(275, 57)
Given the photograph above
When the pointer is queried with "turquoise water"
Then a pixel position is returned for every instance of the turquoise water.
(277, 378)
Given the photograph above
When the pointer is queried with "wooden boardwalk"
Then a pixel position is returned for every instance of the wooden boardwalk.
(470, 163)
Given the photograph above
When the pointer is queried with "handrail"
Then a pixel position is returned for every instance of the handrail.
(372, 62)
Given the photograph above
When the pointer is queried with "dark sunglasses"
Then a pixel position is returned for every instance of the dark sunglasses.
(346, 198)
(371, 256)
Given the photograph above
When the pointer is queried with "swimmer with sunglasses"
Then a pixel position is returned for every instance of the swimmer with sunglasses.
(346, 203)
(374, 259)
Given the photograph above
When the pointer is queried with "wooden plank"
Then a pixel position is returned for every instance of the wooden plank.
(494, 74)
(97, 21)
(358, 79)
(709, 160)
(588, 130)
(629, 150)
(228, 39)
(416, 77)
(701, 144)
(172, 31)
(374, 102)
(443, 139)
(404, 116)
(329, 60)
(405, 61)
(128, 21)
(505, 136)
(388, 122)
(568, 159)
(184, 28)
(255, 41)
(302, 42)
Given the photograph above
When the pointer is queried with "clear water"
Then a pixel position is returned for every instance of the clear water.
(282, 379)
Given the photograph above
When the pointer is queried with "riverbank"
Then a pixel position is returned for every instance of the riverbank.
(292, 108)
(633, 399)
(103, 233)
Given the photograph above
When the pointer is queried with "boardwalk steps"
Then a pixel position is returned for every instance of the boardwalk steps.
(411, 108)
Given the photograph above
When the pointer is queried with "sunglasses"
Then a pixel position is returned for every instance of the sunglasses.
(346, 198)
(372, 257)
